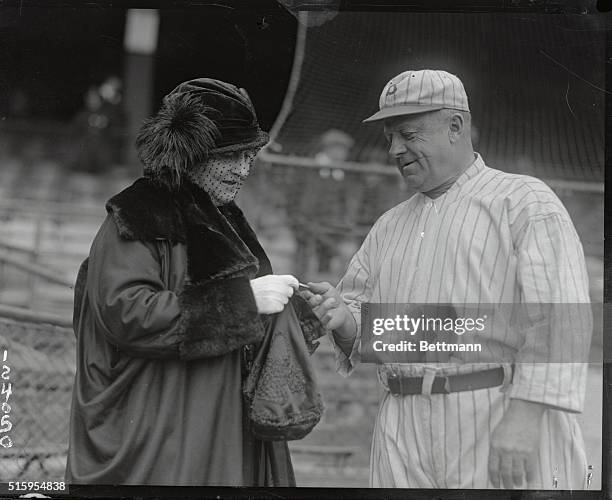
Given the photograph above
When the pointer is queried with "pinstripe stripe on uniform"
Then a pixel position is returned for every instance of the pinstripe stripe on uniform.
(443, 86)
(422, 75)
(407, 80)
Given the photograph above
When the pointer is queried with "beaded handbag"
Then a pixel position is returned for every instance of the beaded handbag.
(282, 399)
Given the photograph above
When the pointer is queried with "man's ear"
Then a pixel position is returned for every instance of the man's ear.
(456, 127)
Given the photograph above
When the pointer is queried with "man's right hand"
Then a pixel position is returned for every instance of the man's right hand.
(331, 310)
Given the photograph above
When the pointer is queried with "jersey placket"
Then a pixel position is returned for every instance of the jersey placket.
(419, 248)
(422, 243)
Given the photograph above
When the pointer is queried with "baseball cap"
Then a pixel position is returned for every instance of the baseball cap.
(414, 92)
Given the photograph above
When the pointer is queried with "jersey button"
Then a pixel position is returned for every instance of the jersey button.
(422, 234)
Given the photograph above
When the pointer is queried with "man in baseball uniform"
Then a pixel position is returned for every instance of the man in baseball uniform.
(471, 234)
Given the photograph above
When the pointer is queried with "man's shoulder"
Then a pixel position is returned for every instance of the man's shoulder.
(516, 186)
(524, 194)
(509, 180)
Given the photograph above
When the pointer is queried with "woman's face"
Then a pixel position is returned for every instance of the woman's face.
(225, 173)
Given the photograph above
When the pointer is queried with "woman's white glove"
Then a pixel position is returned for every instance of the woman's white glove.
(272, 292)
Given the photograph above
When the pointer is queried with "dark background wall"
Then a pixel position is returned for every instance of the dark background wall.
(252, 48)
(51, 55)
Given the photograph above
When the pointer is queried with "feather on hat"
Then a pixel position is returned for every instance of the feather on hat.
(198, 118)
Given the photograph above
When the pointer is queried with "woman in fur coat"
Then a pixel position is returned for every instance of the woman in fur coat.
(169, 305)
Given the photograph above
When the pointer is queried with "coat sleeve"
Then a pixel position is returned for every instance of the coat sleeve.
(137, 313)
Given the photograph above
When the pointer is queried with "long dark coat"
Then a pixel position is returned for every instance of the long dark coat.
(163, 312)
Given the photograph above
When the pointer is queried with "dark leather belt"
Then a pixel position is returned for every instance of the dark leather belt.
(399, 385)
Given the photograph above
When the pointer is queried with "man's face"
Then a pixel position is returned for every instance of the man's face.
(224, 175)
(420, 146)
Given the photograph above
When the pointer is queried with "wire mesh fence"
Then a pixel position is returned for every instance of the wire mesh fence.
(37, 376)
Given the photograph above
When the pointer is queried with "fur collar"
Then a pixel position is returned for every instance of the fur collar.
(220, 243)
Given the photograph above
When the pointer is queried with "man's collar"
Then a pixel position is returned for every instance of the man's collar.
(455, 183)
(474, 169)
(442, 188)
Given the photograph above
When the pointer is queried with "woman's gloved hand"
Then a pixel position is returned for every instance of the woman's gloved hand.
(272, 292)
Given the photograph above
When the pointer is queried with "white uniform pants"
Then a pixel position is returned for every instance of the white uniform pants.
(442, 441)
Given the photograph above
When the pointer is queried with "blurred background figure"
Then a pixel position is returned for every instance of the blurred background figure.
(320, 222)
(89, 127)
(98, 128)
(111, 92)
(334, 146)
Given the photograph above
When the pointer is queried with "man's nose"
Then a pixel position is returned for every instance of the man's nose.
(396, 147)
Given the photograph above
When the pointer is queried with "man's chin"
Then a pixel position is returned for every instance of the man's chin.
(412, 181)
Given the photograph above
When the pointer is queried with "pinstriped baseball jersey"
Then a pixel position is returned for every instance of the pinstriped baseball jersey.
(494, 238)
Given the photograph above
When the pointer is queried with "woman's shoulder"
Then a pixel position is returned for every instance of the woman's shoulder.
(146, 211)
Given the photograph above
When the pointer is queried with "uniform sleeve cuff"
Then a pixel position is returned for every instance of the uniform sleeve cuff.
(560, 386)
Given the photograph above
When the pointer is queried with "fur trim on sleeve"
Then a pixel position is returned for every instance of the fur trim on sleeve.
(218, 317)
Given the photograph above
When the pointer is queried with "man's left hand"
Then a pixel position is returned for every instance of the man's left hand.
(514, 445)
(328, 306)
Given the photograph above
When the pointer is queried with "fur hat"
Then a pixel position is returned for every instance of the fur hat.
(198, 118)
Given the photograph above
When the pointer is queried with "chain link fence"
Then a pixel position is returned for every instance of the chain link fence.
(38, 366)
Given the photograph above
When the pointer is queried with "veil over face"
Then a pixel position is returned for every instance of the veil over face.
(223, 175)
